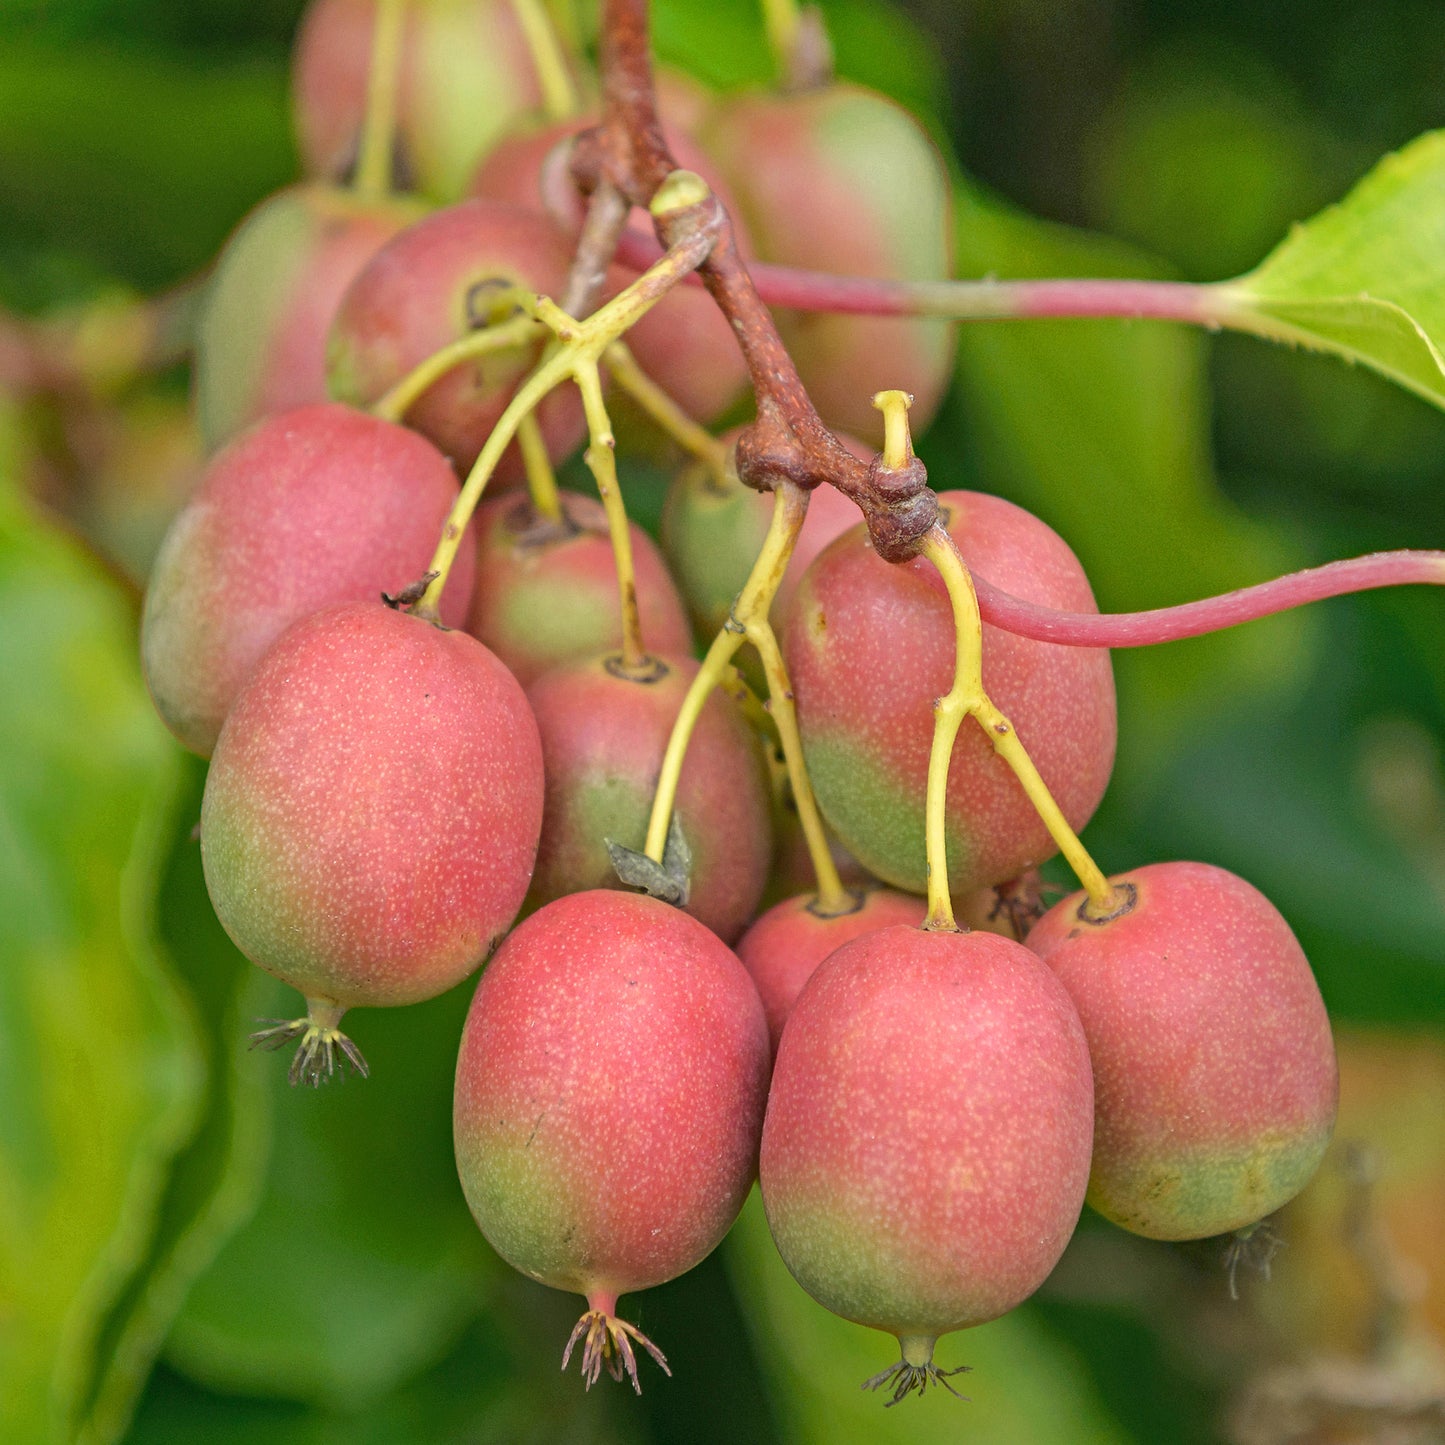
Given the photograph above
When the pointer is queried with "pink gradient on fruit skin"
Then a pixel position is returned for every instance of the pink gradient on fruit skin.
(784, 946)
(315, 506)
(1204, 1020)
(581, 573)
(598, 728)
(927, 1138)
(684, 343)
(888, 650)
(372, 811)
(412, 299)
(803, 209)
(331, 72)
(621, 1044)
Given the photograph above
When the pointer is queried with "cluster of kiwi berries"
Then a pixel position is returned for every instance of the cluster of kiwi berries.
(389, 791)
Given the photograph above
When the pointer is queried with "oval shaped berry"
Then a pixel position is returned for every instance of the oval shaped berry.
(927, 1138)
(1213, 1061)
(610, 1092)
(318, 505)
(870, 645)
(371, 815)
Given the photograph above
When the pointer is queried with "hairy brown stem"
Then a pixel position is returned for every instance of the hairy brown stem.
(788, 439)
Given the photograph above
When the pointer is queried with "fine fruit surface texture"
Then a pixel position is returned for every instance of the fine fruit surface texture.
(261, 336)
(927, 1140)
(869, 647)
(372, 810)
(783, 947)
(318, 505)
(609, 1095)
(1214, 1065)
(546, 592)
(603, 737)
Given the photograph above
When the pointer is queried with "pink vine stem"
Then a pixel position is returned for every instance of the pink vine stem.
(786, 286)
(1210, 614)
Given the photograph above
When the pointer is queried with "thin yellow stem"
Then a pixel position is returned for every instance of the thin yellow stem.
(378, 131)
(780, 21)
(541, 479)
(559, 95)
(579, 345)
(833, 897)
(514, 332)
(897, 438)
(967, 698)
(752, 603)
(663, 411)
(601, 460)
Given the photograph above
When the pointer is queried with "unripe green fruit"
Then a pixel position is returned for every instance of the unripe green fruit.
(1213, 1062)
(261, 336)
(927, 1138)
(870, 645)
(546, 592)
(434, 283)
(842, 179)
(603, 736)
(371, 814)
(466, 74)
(712, 531)
(318, 505)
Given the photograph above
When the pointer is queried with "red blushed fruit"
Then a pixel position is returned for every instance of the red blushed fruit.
(713, 531)
(927, 1138)
(437, 281)
(547, 591)
(870, 646)
(852, 185)
(316, 506)
(783, 947)
(610, 1091)
(466, 74)
(371, 814)
(261, 336)
(603, 738)
(684, 343)
(1213, 1061)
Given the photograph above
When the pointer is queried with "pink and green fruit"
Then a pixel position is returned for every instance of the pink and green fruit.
(927, 1139)
(466, 74)
(713, 530)
(546, 592)
(852, 185)
(870, 645)
(448, 275)
(684, 343)
(792, 870)
(1214, 1067)
(782, 948)
(315, 506)
(372, 810)
(603, 737)
(261, 336)
(609, 1096)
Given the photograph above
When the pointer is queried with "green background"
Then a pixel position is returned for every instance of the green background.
(189, 1250)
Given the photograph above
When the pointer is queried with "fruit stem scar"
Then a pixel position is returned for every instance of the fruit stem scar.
(968, 699)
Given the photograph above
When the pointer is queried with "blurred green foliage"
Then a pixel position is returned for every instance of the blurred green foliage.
(304, 1266)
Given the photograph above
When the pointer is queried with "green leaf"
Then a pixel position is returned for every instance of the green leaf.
(99, 1079)
(1024, 1385)
(362, 1262)
(215, 1180)
(1364, 279)
(1102, 428)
